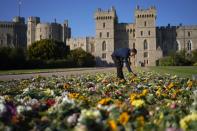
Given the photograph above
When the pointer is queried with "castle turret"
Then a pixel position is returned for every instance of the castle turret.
(31, 29)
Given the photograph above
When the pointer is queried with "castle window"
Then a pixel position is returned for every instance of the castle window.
(110, 17)
(104, 46)
(133, 45)
(104, 55)
(145, 54)
(189, 34)
(133, 34)
(107, 34)
(100, 34)
(92, 47)
(145, 23)
(103, 25)
(130, 30)
(149, 32)
(146, 61)
(40, 37)
(189, 46)
(145, 45)
(141, 33)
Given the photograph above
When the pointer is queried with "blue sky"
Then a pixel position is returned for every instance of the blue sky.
(80, 12)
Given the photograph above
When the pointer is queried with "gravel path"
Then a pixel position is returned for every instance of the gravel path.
(57, 73)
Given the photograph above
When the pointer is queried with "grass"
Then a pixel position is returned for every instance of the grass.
(31, 71)
(182, 71)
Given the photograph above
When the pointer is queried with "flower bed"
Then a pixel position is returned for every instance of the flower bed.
(99, 102)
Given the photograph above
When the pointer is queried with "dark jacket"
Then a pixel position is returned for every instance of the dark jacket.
(123, 54)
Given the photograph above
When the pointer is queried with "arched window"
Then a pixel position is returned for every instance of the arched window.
(189, 45)
(178, 45)
(103, 25)
(104, 46)
(145, 45)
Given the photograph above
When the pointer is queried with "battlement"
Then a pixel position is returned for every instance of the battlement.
(105, 15)
(34, 19)
(145, 13)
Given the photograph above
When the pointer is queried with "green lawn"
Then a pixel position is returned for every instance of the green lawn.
(182, 71)
(30, 71)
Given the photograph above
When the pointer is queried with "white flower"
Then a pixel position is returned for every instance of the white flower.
(2, 108)
(20, 109)
(72, 119)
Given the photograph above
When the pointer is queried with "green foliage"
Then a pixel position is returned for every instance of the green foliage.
(81, 58)
(194, 56)
(47, 49)
(11, 57)
(181, 58)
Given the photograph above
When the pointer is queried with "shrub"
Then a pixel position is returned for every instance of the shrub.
(81, 58)
(47, 49)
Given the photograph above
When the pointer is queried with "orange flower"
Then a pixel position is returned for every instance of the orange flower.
(123, 118)
(66, 86)
(112, 125)
(104, 101)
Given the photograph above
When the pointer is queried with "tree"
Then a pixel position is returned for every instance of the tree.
(47, 49)
(82, 58)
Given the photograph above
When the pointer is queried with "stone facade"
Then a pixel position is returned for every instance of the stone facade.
(13, 33)
(86, 43)
(37, 31)
(152, 42)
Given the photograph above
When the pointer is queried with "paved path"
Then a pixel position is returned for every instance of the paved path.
(57, 73)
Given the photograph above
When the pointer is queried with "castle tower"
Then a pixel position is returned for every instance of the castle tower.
(105, 32)
(66, 31)
(145, 20)
(31, 29)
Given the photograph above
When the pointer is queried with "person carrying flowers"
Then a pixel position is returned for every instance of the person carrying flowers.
(121, 56)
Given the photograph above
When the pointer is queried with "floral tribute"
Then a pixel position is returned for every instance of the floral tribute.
(99, 102)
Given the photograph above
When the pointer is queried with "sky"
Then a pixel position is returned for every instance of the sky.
(80, 13)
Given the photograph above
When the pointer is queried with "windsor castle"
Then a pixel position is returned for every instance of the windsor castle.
(152, 42)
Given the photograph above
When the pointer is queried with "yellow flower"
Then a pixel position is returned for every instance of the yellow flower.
(104, 101)
(189, 83)
(112, 125)
(133, 96)
(144, 92)
(170, 85)
(138, 103)
(188, 119)
(73, 95)
(123, 118)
